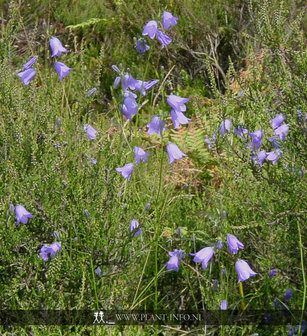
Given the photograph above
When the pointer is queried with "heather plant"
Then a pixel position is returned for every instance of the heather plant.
(127, 188)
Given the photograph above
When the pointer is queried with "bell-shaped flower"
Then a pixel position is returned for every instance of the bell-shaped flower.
(177, 103)
(27, 75)
(150, 29)
(274, 155)
(48, 252)
(219, 244)
(140, 154)
(169, 20)
(156, 125)
(126, 170)
(224, 305)
(277, 121)
(30, 63)
(62, 69)
(240, 131)
(22, 215)
(179, 118)
(273, 272)
(141, 45)
(56, 47)
(282, 131)
(260, 157)
(134, 224)
(90, 132)
(163, 39)
(234, 244)
(174, 153)
(174, 261)
(257, 139)
(129, 106)
(288, 294)
(203, 256)
(243, 270)
(225, 126)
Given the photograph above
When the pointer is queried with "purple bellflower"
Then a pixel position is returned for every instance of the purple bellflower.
(275, 142)
(219, 244)
(282, 131)
(179, 118)
(30, 63)
(174, 153)
(260, 157)
(27, 75)
(48, 252)
(98, 271)
(225, 126)
(62, 69)
(277, 121)
(240, 131)
(177, 103)
(126, 170)
(169, 20)
(22, 215)
(174, 261)
(288, 294)
(141, 45)
(233, 244)
(90, 132)
(273, 272)
(150, 29)
(140, 154)
(56, 47)
(243, 270)
(224, 305)
(257, 136)
(163, 38)
(203, 256)
(156, 125)
(129, 107)
(133, 228)
(274, 155)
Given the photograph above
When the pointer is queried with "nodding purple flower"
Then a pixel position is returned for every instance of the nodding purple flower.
(56, 47)
(224, 305)
(234, 244)
(282, 131)
(277, 121)
(209, 142)
(48, 252)
(30, 63)
(156, 125)
(140, 154)
(126, 170)
(260, 157)
(275, 142)
(62, 69)
(22, 215)
(219, 244)
(150, 29)
(169, 20)
(273, 272)
(177, 103)
(141, 45)
(91, 92)
(243, 270)
(90, 132)
(27, 75)
(134, 224)
(203, 256)
(288, 294)
(129, 107)
(257, 136)
(174, 153)
(240, 131)
(174, 261)
(98, 271)
(163, 39)
(274, 155)
(225, 126)
(179, 118)
(142, 87)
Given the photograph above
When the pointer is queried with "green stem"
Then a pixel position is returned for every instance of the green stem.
(303, 276)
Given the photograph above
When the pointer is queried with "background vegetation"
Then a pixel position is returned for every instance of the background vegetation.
(241, 60)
